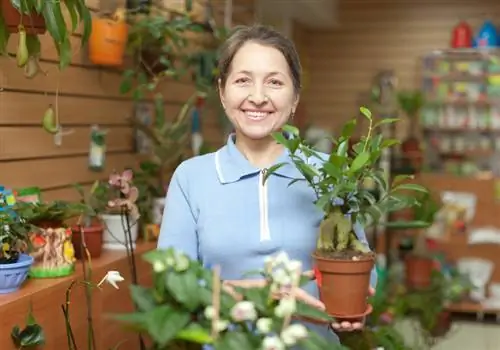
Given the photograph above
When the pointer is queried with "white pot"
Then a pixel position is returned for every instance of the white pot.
(158, 206)
(114, 236)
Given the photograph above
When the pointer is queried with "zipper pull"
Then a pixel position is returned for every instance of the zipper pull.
(264, 172)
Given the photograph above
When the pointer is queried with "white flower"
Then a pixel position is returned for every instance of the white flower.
(181, 263)
(112, 277)
(281, 277)
(243, 311)
(294, 266)
(221, 325)
(159, 266)
(264, 325)
(272, 343)
(287, 306)
(293, 333)
(209, 312)
(281, 259)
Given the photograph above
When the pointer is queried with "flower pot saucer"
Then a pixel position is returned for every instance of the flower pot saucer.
(354, 318)
(341, 318)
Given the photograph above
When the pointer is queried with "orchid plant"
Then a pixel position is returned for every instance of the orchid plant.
(189, 307)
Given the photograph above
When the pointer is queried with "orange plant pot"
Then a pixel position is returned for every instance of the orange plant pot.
(107, 42)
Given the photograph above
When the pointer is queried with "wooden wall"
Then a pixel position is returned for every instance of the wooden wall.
(378, 34)
(88, 95)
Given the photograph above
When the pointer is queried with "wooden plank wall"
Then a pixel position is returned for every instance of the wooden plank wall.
(87, 95)
(378, 34)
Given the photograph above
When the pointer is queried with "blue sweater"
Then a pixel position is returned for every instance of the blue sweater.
(220, 211)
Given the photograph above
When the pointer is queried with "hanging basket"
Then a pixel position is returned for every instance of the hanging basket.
(33, 23)
(107, 42)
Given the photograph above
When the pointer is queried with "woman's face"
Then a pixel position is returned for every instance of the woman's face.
(258, 95)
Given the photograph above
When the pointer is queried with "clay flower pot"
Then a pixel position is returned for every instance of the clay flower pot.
(33, 23)
(418, 271)
(343, 285)
(107, 42)
(93, 240)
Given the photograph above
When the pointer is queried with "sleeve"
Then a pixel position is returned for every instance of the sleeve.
(361, 234)
(178, 226)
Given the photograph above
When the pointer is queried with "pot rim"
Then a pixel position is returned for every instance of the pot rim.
(24, 260)
(363, 258)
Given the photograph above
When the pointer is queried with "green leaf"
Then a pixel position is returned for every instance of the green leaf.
(33, 45)
(194, 333)
(30, 336)
(164, 323)
(72, 10)
(333, 170)
(142, 297)
(290, 129)
(389, 143)
(235, 340)
(338, 161)
(342, 148)
(401, 178)
(54, 20)
(359, 162)
(410, 187)
(386, 121)
(4, 36)
(309, 171)
(184, 288)
(407, 225)
(86, 18)
(366, 112)
(281, 139)
(258, 296)
(348, 129)
(311, 312)
(273, 169)
(65, 54)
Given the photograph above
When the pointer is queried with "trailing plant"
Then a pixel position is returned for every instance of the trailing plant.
(49, 213)
(337, 180)
(188, 306)
(29, 337)
(29, 46)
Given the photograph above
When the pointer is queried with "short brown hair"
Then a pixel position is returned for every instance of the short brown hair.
(263, 35)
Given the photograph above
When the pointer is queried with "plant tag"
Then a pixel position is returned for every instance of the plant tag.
(318, 276)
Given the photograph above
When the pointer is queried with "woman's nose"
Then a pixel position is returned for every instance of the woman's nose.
(257, 96)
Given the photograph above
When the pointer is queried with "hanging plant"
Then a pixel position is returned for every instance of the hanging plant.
(31, 18)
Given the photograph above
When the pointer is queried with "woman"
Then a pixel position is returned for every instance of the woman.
(218, 208)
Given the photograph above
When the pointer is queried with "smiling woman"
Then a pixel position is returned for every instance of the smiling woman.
(230, 217)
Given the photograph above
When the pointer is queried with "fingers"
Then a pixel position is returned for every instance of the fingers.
(345, 326)
(309, 274)
(308, 299)
(371, 291)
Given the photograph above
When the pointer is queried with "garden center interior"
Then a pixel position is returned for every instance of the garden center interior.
(83, 83)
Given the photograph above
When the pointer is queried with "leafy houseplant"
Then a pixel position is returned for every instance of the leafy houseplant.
(188, 307)
(14, 242)
(31, 18)
(337, 180)
(411, 102)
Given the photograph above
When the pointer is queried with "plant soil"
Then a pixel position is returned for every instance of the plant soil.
(14, 257)
(348, 254)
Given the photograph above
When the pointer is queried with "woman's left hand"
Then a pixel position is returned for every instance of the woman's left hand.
(346, 326)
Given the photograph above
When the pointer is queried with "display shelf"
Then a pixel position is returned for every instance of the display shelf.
(461, 118)
(47, 296)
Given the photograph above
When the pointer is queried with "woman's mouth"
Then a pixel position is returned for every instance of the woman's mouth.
(256, 115)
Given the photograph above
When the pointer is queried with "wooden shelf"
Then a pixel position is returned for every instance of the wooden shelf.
(47, 296)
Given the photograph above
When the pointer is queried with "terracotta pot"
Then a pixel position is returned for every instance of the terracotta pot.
(443, 324)
(33, 23)
(418, 271)
(93, 240)
(107, 42)
(344, 284)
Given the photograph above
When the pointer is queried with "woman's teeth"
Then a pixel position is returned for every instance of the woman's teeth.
(256, 115)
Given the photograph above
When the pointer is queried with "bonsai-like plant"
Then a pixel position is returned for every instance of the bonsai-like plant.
(337, 180)
(30, 18)
(188, 307)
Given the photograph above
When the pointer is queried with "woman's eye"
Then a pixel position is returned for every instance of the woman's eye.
(241, 80)
(275, 82)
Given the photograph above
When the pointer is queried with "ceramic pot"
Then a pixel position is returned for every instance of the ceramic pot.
(13, 275)
(93, 240)
(33, 23)
(115, 236)
(107, 42)
(418, 271)
(344, 285)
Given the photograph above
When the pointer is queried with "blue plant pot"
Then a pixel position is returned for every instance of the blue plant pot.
(13, 275)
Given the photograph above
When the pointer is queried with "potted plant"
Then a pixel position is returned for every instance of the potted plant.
(115, 201)
(50, 244)
(343, 262)
(30, 18)
(197, 309)
(108, 38)
(90, 223)
(420, 262)
(14, 233)
(411, 102)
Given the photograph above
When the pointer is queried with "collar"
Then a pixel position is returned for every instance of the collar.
(231, 165)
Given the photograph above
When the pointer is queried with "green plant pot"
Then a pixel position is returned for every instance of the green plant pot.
(63, 271)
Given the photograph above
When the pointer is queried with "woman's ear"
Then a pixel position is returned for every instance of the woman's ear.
(295, 103)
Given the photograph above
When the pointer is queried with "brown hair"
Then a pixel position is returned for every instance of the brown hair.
(263, 35)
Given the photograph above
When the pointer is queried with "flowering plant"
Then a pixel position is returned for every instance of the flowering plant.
(188, 307)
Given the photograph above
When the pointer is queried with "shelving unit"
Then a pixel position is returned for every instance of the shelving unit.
(461, 119)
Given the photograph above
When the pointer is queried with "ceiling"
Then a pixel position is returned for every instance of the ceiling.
(317, 14)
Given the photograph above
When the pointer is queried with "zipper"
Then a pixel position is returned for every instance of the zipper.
(263, 207)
